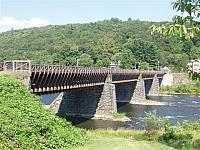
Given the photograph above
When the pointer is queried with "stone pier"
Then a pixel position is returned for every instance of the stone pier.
(139, 92)
(131, 92)
(154, 89)
(96, 101)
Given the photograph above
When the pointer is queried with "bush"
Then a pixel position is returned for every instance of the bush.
(152, 123)
(196, 141)
(183, 136)
(172, 138)
(26, 124)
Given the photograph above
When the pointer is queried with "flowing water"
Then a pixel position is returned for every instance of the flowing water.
(176, 108)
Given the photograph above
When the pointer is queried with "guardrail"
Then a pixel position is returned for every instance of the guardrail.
(24, 65)
(16, 65)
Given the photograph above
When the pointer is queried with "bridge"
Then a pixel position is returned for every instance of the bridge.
(87, 91)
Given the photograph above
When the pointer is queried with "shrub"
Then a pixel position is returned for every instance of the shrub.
(170, 137)
(152, 123)
(183, 136)
(26, 124)
(196, 141)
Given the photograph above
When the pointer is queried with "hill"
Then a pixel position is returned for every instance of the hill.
(97, 44)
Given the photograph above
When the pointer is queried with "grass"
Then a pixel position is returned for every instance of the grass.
(120, 140)
(126, 134)
(122, 144)
(119, 115)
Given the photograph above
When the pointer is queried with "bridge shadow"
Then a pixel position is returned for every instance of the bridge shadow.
(75, 120)
(147, 84)
(124, 91)
(80, 104)
(56, 101)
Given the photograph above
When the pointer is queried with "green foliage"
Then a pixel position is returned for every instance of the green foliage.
(128, 134)
(185, 26)
(152, 123)
(195, 76)
(26, 124)
(85, 60)
(128, 42)
(144, 66)
(127, 59)
(191, 88)
(177, 61)
(182, 136)
(119, 115)
(144, 51)
(173, 138)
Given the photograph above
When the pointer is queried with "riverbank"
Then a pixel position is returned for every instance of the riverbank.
(191, 88)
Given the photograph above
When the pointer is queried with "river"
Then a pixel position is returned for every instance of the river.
(177, 108)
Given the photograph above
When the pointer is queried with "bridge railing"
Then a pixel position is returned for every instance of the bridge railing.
(17, 65)
(21, 65)
(60, 69)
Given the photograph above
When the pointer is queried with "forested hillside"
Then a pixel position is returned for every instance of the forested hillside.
(97, 44)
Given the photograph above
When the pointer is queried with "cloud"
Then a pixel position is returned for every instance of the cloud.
(7, 23)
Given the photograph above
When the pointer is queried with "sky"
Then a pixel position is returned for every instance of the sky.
(19, 14)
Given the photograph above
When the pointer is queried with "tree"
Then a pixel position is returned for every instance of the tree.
(195, 53)
(67, 56)
(175, 60)
(116, 58)
(185, 26)
(127, 59)
(143, 51)
(86, 60)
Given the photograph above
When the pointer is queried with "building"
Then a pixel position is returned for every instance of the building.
(194, 66)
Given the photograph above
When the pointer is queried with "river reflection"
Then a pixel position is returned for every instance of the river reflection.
(178, 109)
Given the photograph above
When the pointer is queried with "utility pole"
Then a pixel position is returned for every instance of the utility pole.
(77, 62)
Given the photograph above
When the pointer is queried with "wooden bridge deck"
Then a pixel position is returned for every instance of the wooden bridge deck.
(46, 78)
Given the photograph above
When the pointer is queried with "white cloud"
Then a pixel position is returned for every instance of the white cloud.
(7, 23)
